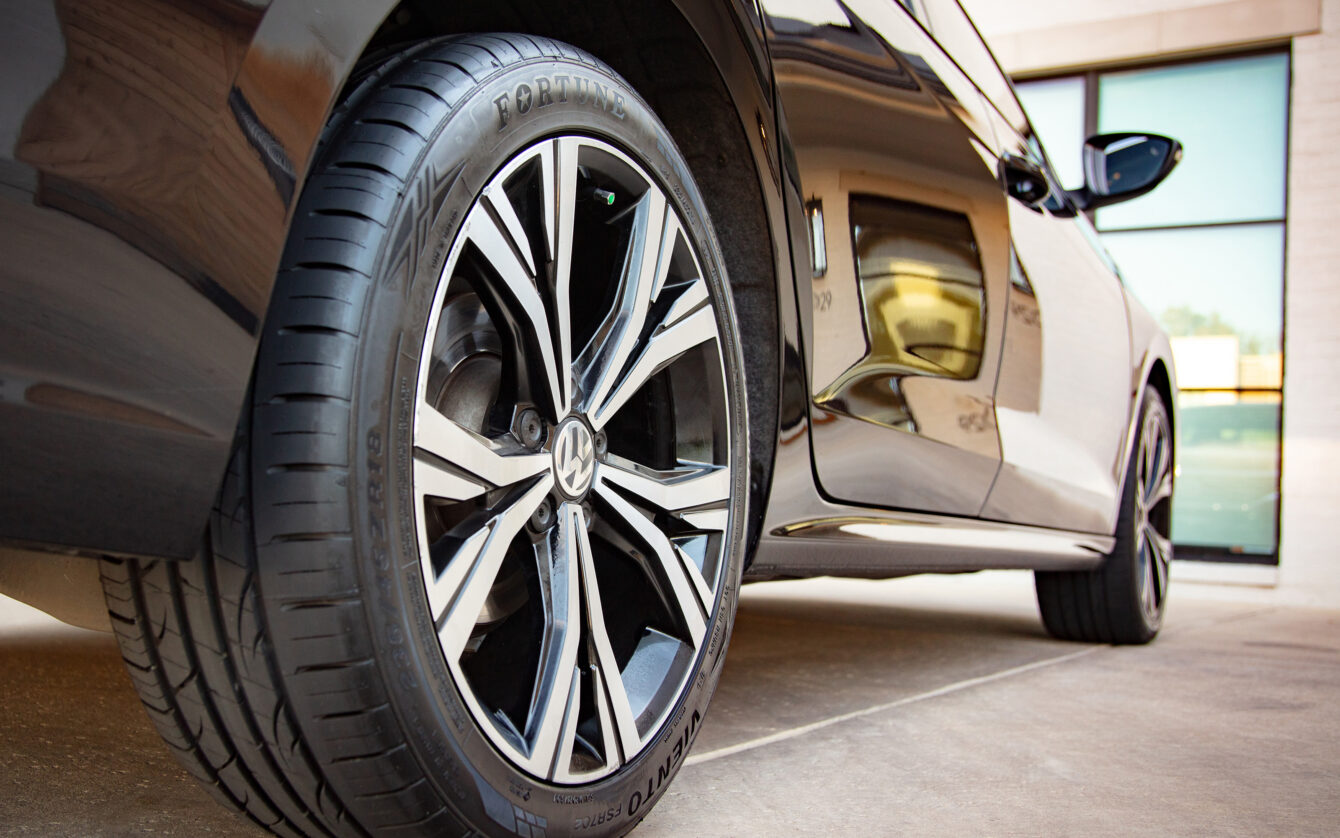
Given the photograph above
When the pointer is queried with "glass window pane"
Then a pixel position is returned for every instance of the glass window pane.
(1056, 109)
(1232, 118)
(1227, 492)
(1219, 293)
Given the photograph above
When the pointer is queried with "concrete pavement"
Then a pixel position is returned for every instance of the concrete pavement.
(923, 706)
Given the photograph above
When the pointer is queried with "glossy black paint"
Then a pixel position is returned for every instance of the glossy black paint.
(877, 111)
(155, 150)
(151, 151)
(150, 159)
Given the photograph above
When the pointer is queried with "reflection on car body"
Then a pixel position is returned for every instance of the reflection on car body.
(419, 415)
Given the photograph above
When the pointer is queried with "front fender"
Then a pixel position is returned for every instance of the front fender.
(1151, 364)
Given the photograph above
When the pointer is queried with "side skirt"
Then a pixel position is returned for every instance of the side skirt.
(878, 546)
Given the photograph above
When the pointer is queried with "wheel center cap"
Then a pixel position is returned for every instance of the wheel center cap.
(574, 458)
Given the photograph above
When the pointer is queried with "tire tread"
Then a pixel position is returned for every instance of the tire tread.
(248, 659)
(1100, 605)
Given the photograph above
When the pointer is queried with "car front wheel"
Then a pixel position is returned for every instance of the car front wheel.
(476, 561)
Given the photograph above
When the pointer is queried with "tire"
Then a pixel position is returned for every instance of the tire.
(475, 563)
(1123, 599)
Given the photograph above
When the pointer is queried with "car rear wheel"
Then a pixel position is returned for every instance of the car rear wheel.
(1123, 600)
(476, 560)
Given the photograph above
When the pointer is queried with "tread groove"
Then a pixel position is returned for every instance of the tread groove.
(279, 679)
(1102, 605)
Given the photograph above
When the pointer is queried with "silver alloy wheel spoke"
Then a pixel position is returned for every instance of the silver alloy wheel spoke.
(689, 322)
(619, 728)
(1148, 597)
(1159, 490)
(558, 190)
(676, 569)
(604, 359)
(1162, 549)
(457, 594)
(610, 741)
(487, 462)
(553, 706)
(433, 481)
(485, 502)
(503, 253)
(687, 487)
(501, 206)
(1150, 442)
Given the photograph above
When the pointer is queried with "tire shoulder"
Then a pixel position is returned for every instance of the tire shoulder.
(1102, 605)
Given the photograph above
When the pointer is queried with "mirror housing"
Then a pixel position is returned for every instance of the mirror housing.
(1023, 180)
(1122, 166)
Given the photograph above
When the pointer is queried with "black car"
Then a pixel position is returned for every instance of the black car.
(419, 381)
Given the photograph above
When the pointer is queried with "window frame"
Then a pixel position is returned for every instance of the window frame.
(1091, 76)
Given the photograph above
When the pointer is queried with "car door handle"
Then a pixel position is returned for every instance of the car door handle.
(1023, 180)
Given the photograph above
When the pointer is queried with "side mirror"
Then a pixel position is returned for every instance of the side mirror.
(1118, 167)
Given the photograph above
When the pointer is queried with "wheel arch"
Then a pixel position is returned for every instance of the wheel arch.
(1155, 369)
(1161, 381)
(702, 67)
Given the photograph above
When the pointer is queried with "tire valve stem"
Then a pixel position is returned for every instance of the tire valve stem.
(604, 196)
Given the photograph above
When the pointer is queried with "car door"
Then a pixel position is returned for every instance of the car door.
(910, 254)
(1065, 389)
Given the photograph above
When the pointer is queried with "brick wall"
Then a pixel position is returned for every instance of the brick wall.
(1032, 37)
(1310, 508)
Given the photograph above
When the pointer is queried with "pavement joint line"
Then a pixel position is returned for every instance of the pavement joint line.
(957, 686)
(1209, 622)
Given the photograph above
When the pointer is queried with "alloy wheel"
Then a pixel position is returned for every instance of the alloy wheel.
(571, 467)
(1153, 515)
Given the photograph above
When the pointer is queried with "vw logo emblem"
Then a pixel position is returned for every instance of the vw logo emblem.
(574, 458)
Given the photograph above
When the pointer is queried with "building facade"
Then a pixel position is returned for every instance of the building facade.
(1237, 254)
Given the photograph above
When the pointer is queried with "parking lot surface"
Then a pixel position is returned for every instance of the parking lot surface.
(930, 705)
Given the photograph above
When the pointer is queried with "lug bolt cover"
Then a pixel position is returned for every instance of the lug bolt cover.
(529, 428)
(543, 516)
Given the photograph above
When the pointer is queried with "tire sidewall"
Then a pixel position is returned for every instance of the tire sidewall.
(470, 146)
(1128, 545)
(1153, 405)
